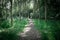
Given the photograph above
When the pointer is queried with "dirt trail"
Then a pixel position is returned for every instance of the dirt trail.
(29, 32)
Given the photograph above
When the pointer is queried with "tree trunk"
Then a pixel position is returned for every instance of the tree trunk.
(45, 10)
(11, 13)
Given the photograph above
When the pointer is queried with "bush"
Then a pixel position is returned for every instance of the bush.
(4, 24)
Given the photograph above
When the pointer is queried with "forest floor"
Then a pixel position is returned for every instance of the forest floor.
(31, 29)
(29, 32)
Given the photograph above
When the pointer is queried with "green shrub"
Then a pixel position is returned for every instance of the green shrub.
(4, 24)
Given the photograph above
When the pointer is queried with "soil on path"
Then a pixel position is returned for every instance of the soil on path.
(29, 32)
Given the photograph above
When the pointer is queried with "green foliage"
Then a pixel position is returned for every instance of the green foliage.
(4, 24)
(49, 29)
(12, 32)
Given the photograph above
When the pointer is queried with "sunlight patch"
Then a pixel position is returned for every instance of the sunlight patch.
(26, 29)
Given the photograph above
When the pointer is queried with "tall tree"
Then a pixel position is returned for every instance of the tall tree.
(45, 10)
(11, 12)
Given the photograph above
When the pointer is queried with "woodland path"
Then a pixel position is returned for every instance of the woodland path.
(29, 32)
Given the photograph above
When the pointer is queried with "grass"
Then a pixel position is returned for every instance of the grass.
(11, 32)
(50, 30)
(18, 25)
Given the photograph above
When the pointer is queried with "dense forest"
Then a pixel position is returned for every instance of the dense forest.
(14, 16)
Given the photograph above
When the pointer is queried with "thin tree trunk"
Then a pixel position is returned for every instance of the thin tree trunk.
(11, 14)
(45, 14)
(39, 7)
(45, 11)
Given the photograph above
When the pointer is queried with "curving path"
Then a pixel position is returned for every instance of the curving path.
(29, 32)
